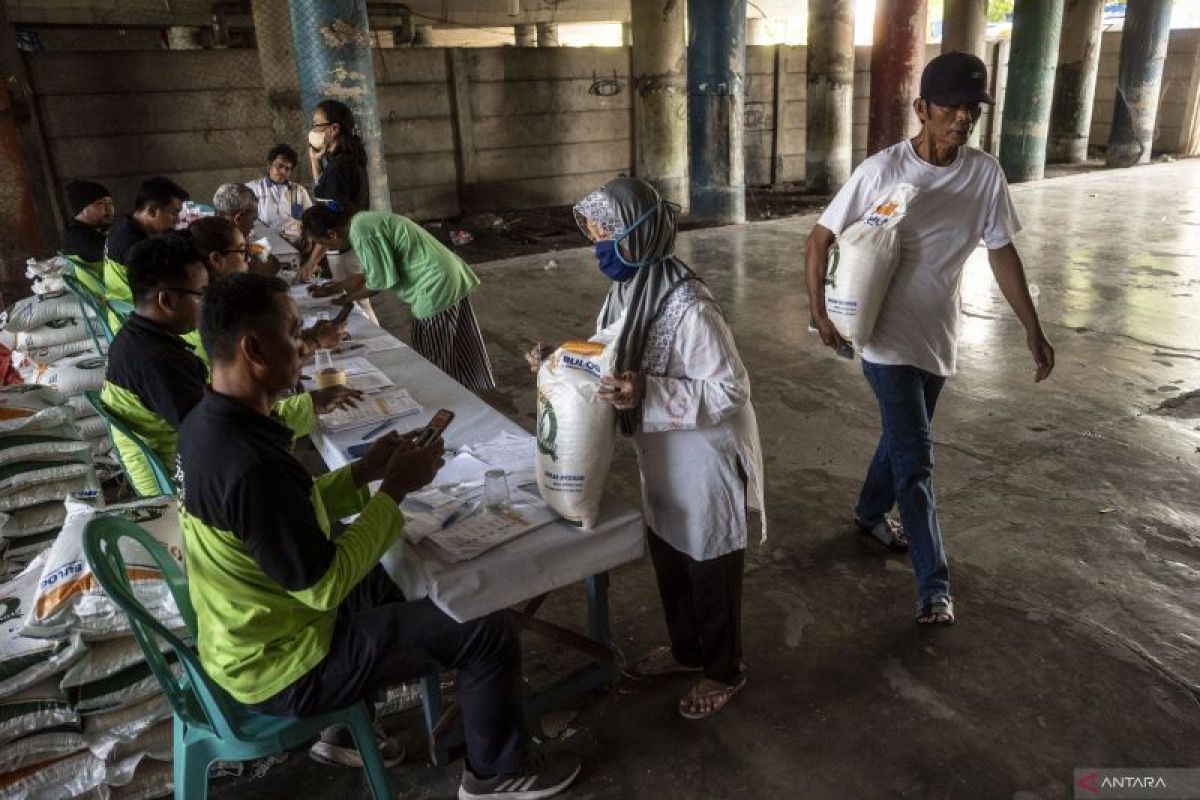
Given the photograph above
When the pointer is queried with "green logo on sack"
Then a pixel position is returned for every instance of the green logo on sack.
(58, 324)
(144, 514)
(95, 362)
(831, 273)
(10, 608)
(547, 430)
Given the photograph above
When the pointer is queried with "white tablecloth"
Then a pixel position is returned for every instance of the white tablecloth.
(543, 560)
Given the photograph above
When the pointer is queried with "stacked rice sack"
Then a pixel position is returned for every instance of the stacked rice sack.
(42, 461)
(81, 714)
(51, 347)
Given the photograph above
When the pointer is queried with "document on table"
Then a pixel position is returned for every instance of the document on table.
(374, 408)
(513, 453)
(479, 530)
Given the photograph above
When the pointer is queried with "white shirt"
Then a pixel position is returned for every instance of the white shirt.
(279, 205)
(955, 207)
(698, 428)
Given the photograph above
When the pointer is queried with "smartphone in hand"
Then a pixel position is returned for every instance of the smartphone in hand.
(436, 427)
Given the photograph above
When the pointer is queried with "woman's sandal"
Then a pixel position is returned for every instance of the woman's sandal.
(659, 663)
(888, 532)
(938, 611)
(720, 698)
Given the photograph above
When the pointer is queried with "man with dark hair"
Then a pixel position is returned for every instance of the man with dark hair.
(961, 198)
(156, 210)
(154, 378)
(294, 623)
(92, 213)
(281, 200)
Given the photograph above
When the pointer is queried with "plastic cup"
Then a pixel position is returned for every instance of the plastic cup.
(495, 490)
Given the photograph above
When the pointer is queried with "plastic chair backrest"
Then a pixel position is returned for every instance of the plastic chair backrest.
(95, 314)
(162, 478)
(121, 308)
(89, 276)
(194, 697)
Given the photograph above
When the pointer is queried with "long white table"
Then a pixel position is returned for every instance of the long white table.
(523, 570)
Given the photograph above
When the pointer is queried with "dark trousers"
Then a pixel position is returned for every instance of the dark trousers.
(381, 640)
(702, 601)
(901, 473)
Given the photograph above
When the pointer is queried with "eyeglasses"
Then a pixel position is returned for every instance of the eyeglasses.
(193, 292)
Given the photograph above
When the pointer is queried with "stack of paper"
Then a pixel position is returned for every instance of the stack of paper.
(372, 409)
(472, 530)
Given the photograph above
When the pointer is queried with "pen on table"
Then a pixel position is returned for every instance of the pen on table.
(387, 424)
(456, 516)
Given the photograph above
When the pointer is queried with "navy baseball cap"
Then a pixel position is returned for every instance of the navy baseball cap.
(955, 78)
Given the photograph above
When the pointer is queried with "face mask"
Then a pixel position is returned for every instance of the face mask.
(316, 139)
(610, 264)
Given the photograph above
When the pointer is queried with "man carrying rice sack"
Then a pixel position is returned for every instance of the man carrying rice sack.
(682, 393)
(961, 197)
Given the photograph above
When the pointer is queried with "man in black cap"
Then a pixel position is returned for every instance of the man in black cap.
(961, 198)
(92, 210)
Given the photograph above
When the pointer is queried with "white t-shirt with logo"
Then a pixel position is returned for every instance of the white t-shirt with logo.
(956, 206)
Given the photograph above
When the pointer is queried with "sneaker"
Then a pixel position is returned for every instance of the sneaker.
(552, 775)
(336, 746)
(888, 532)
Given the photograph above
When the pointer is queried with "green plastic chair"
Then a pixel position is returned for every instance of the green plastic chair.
(209, 725)
(94, 312)
(162, 478)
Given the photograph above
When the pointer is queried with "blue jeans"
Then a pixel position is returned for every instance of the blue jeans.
(901, 473)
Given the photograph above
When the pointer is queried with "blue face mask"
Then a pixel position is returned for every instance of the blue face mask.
(612, 266)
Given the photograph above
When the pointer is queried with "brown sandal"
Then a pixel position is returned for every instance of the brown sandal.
(720, 698)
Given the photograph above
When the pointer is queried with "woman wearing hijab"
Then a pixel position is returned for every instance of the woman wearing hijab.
(683, 395)
(400, 256)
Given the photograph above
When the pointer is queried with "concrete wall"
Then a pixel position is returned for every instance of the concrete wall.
(543, 128)
(1177, 105)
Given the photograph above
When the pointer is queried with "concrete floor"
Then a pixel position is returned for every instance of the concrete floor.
(1071, 513)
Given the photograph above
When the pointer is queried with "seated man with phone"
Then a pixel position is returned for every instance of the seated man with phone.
(294, 622)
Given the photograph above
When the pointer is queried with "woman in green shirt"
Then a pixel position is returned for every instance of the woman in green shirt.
(400, 256)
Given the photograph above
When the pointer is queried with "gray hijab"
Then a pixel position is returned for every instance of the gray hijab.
(643, 225)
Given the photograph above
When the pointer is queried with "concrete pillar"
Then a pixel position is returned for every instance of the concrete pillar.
(716, 65)
(1139, 81)
(758, 31)
(547, 34)
(964, 27)
(829, 141)
(525, 34)
(1024, 131)
(658, 62)
(1075, 82)
(277, 62)
(626, 34)
(897, 58)
(334, 61)
(422, 36)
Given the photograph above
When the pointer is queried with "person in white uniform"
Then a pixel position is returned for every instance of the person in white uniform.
(683, 395)
(962, 198)
(281, 201)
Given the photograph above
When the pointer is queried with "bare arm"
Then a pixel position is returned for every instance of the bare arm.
(816, 258)
(1010, 276)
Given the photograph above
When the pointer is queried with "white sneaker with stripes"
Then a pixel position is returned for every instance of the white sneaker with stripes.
(554, 774)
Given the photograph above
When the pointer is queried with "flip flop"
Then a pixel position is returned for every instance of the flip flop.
(721, 697)
(888, 532)
(659, 663)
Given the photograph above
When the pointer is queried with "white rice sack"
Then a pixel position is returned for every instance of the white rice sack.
(156, 742)
(70, 376)
(83, 487)
(35, 450)
(33, 520)
(80, 406)
(25, 409)
(64, 779)
(52, 353)
(128, 687)
(55, 265)
(576, 431)
(861, 266)
(26, 547)
(38, 310)
(153, 779)
(91, 428)
(58, 331)
(106, 730)
(23, 660)
(45, 468)
(101, 446)
(39, 748)
(69, 599)
(37, 709)
(102, 660)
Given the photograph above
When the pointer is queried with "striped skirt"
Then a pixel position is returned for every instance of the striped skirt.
(453, 343)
